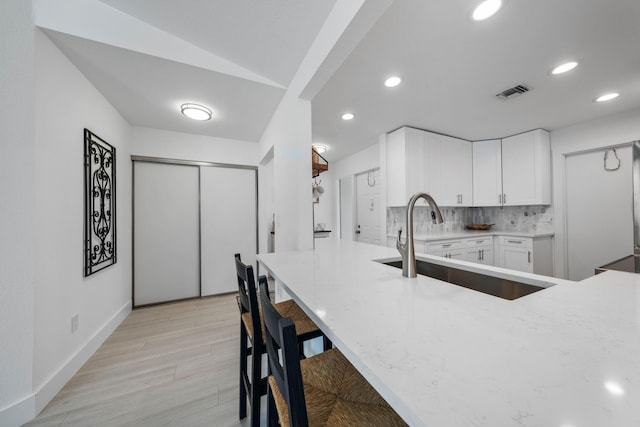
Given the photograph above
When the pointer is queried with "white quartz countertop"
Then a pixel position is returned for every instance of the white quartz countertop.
(460, 234)
(447, 356)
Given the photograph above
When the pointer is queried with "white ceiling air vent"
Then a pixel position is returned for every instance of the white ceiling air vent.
(512, 92)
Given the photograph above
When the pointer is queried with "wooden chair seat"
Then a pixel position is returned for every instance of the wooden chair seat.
(337, 395)
(304, 325)
(321, 390)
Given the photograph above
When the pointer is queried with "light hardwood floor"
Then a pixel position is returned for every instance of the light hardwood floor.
(169, 365)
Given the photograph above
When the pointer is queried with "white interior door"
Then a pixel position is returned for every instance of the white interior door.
(368, 207)
(599, 211)
(229, 225)
(166, 233)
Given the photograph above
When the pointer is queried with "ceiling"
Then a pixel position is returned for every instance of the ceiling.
(149, 56)
(453, 67)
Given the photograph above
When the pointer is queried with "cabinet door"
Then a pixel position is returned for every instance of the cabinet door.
(452, 254)
(520, 259)
(433, 168)
(456, 167)
(487, 173)
(481, 255)
(404, 165)
(526, 169)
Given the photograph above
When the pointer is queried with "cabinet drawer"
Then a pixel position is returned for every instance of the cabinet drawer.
(481, 241)
(519, 242)
(444, 245)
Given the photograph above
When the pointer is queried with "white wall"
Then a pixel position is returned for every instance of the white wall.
(607, 131)
(365, 160)
(323, 211)
(289, 136)
(66, 103)
(184, 146)
(17, 211)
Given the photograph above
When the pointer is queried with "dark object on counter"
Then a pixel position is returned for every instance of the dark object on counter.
(479, 226)
(630, 264)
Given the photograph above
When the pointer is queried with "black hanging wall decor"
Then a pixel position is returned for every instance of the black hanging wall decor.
(99, 203)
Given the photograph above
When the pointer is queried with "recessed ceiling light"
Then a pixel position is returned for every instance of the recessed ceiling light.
(196, 111)
(320, 148)
(563, 68)
(486, 9)
(393, 81)
(348, 116)
(614, 388)
(607, 97)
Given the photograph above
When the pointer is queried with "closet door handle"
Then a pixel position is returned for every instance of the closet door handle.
(529, 255)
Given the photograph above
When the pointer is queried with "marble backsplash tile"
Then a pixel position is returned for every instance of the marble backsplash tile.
(508, 218)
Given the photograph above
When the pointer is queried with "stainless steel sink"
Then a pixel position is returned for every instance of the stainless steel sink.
(496, 286)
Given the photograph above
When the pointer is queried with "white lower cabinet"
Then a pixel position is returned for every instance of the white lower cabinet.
(531, 255)
(527, 254)
(479, 250)
(446, 248)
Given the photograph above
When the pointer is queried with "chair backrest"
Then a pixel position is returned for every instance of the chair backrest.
(280, 334)
(248, 297)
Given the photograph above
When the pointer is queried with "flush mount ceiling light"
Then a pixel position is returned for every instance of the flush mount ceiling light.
(319, 148)
(348, 116)
(196, 111)
(607, 97)
(563, 68)
(393, 81)
(486, 9)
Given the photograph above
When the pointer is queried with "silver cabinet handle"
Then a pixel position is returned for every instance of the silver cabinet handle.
(446, 245)
(515, 241)
(482, 254)
(529, 254)
(504, 198)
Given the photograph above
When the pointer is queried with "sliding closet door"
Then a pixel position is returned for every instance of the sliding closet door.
(166, 232)
(229, 225)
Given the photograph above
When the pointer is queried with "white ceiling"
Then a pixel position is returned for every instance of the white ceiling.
(149, 56)
(453, 67)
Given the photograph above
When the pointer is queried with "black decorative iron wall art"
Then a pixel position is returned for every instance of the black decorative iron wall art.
(99, 203)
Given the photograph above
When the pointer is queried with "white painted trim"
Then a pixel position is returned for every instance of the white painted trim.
(18, 413)
(47, 391)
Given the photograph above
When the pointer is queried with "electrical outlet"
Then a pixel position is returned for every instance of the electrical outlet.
(75, 319)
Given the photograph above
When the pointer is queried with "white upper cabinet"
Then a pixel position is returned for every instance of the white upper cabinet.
(405, 148)
(456, 162)
(526, 169)
(427, 162)
(513, 171)
(487, 173)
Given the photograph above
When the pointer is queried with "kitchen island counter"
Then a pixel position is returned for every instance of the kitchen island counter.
(443, 355)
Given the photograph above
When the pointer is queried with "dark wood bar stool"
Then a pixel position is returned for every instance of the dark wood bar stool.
(253, 385)
(321, 390)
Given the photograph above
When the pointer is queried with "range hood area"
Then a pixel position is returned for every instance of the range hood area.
(631, 263)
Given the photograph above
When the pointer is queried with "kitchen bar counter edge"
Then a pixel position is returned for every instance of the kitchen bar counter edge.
(445, 355)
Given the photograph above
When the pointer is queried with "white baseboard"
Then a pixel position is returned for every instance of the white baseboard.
(54, 384)
(18, 413)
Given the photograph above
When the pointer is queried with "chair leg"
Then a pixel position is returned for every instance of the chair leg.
(243, 370)
(256, 384)
(326, 343)
(272, 412)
